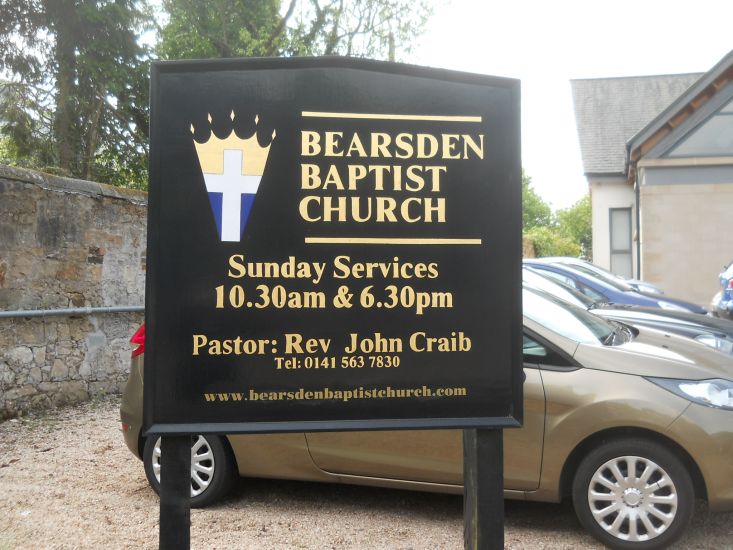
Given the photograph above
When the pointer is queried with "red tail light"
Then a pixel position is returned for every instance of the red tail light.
(730, 283)
(139, 339)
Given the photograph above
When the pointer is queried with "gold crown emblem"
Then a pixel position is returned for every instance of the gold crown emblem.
(211, 152)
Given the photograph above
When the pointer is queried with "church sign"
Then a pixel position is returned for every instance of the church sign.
(333, 244)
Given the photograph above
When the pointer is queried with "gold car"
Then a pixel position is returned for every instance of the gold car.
(632, 424)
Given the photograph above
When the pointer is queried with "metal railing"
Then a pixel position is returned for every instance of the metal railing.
(20, 313)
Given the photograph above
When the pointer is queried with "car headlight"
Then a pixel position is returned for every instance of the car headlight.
(720, 344)
(716, 392)
(672, 307)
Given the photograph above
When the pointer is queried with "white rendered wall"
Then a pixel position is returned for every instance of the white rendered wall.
(609, 193)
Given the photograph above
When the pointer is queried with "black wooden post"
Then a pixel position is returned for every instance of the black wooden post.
(483, 489)
(175, 493)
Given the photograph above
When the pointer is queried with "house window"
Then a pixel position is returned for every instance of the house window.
(620, 221)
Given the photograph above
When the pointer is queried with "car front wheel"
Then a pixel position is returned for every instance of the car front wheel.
(633, 493)
(212, 468)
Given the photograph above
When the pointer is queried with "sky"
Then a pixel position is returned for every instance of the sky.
(547, 43)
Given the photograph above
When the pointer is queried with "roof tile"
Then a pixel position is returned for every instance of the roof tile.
(609, 111)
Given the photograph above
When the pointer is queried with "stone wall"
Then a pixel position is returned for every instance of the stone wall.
(686, 239)
(67, 243)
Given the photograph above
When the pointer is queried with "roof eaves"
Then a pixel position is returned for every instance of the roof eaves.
(604, 174)
(695, 91)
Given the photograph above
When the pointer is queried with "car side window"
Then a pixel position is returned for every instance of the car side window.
(592, 294)
(531, 350)
(537, 353)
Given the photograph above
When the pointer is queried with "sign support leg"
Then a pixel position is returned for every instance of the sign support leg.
(483, 492)
(175, 493)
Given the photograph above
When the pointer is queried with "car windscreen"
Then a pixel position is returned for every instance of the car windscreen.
(536, 279)
(565, 319)
(597, 273)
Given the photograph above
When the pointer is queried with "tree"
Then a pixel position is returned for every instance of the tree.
(76, 100)
(566, 233)
(236, 28)
(574, 223)
(535, 211)
(220, 28)
(548, 242)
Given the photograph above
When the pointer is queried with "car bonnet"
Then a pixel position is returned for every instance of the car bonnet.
(656, 353)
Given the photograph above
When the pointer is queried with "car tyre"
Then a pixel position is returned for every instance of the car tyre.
(213, 468)
(633, 493)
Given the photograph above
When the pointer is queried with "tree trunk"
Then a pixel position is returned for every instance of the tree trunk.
(62, 19)
(93, 133)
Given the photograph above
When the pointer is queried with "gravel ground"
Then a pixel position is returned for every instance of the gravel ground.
(68, 481)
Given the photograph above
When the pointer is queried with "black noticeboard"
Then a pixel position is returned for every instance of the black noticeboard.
(333, 244)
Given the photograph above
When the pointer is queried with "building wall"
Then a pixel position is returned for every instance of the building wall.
(67, 244)
(686, 237)
(607, 193)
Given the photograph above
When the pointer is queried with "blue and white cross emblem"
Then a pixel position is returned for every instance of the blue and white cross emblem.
(231, 195)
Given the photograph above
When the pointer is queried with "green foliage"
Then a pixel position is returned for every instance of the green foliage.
(381, 29)
(76, 100)
(246, 28)
(574, 223)
(566, 233)
(24, 127)
(535, 211)
(548, 242)
(220, 28)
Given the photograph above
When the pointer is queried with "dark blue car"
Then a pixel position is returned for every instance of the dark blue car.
(723, 301)
(706, 329)
(610, 289)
